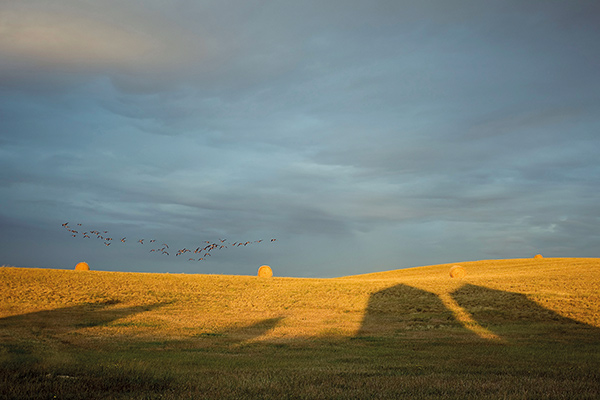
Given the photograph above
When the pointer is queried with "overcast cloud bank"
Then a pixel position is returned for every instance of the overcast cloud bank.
(364, 136)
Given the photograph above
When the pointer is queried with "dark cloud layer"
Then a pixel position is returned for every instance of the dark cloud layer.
(364, 136)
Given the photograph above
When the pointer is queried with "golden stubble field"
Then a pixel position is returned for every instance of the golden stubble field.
(509, 329)
(84, 306)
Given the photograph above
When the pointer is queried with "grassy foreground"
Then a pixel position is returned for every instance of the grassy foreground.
(516, 329)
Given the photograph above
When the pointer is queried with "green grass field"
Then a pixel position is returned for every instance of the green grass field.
(510, 329)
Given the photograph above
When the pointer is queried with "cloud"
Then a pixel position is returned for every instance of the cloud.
(362, 133)
(110, 35)
(126, 43)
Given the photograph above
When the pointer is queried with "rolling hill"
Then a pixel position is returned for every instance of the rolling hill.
(513, 328)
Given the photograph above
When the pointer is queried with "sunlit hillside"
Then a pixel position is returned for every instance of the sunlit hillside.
(247, 307)
(568, 286)
(523, 327)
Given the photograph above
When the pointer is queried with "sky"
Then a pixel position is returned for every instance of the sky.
(362, 135)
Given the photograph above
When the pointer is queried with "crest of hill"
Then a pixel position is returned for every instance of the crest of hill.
(571, 268)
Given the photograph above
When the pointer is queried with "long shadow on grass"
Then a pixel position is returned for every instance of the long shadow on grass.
(252, 331)
(403, 310)
(37, 362)
(515, 317)
(66, 319)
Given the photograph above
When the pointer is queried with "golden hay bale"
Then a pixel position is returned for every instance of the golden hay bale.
(538, 256)
(82, 266)
(457, 272)
(265, 272)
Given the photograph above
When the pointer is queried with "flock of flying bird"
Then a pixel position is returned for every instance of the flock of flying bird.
(203, 251)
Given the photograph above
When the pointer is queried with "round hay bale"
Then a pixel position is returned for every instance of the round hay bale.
(457, 272)
(538, 256)
(265, 271)
(82, 266)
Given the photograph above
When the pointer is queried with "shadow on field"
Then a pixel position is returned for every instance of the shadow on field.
(513, 316)
(252, 331)
(402, 309)
(405, 311)
(66, 319)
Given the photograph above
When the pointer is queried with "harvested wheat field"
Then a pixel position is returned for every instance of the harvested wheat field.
(521, 328)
